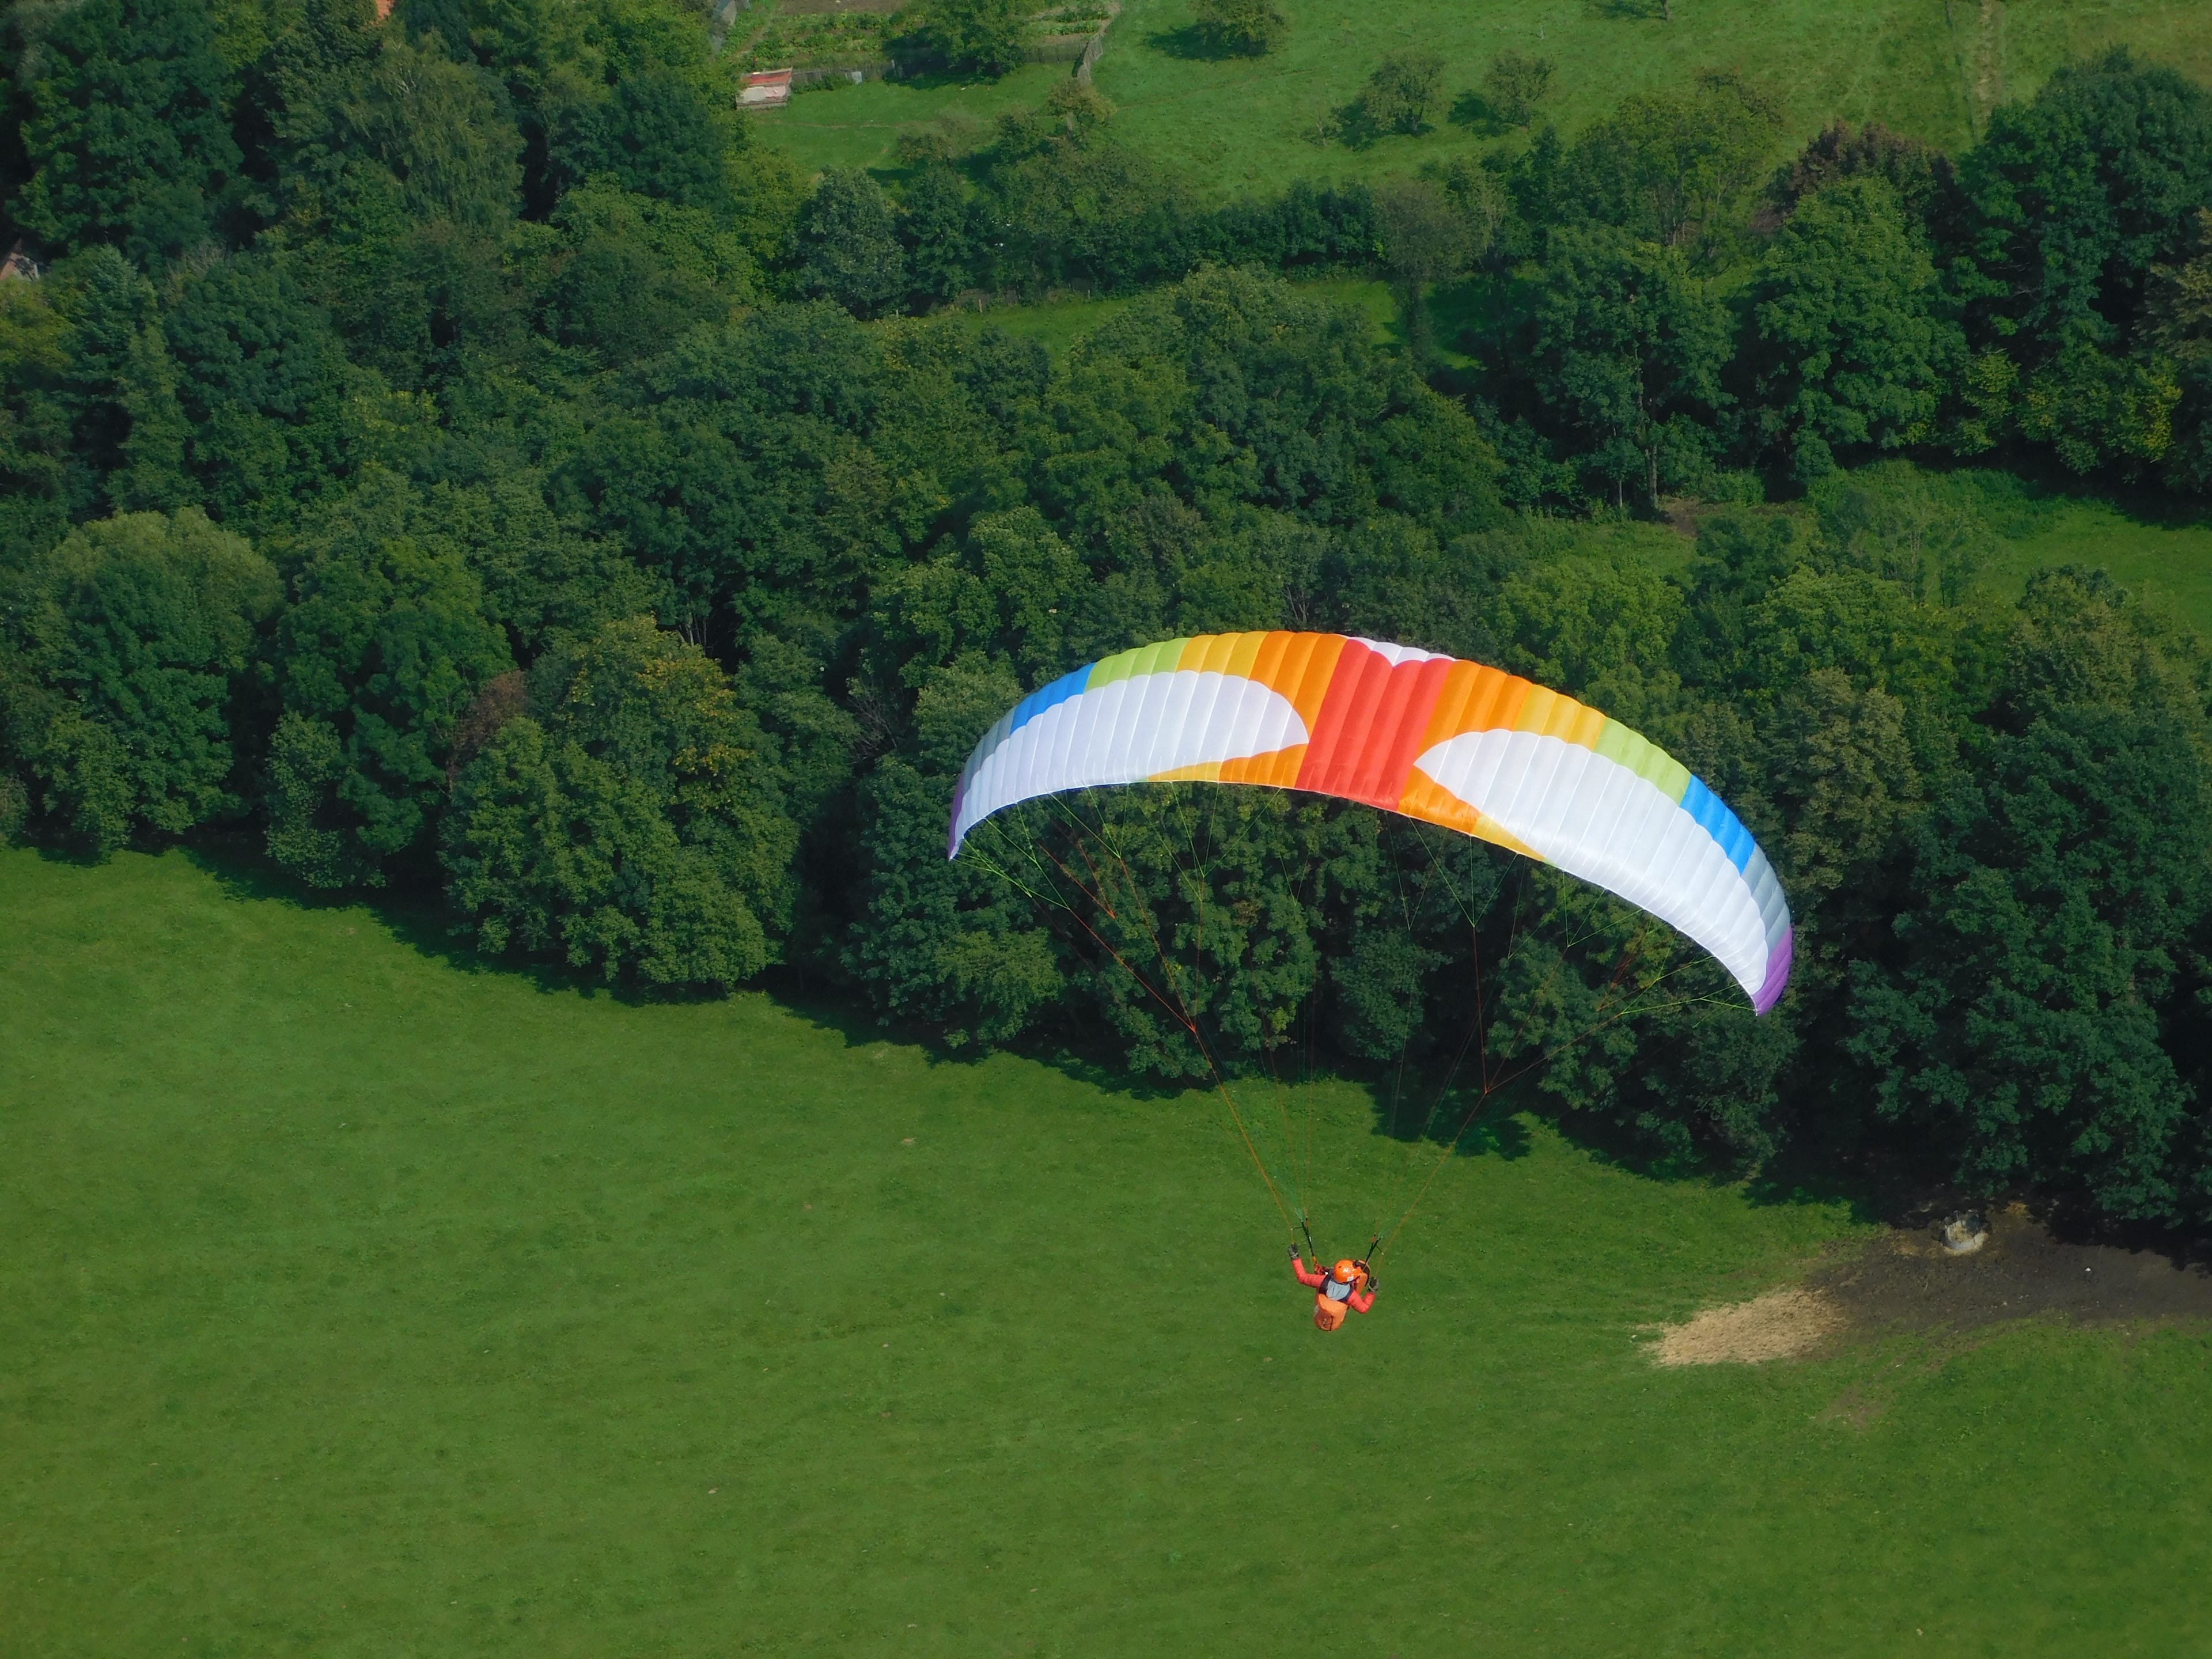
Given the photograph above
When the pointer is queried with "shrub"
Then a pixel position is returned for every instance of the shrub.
(1514, 84)
(1405, 86)
(1248, 27)
(987, 36)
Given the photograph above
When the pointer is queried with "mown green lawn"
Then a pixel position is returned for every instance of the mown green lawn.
(1931, 68)
(356, 1300)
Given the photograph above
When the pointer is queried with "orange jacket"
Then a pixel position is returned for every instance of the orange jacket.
(1313, 1279)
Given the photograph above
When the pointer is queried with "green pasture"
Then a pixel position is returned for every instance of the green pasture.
(1062, 319)
(840, 125)
(1059, 323)
(1932, 67)
(2158, 547)
(2163, 555)
(358, 1299)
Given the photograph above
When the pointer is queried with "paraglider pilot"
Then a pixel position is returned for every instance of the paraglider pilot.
(1346, 1286)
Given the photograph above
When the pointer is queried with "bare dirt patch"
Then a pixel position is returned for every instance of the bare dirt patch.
(1907, 1281)
(1780, 1325)
(1904, 1282)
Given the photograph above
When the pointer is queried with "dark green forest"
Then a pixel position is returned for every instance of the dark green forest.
(457, 454)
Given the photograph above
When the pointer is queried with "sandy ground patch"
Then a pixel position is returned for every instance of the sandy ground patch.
(1779, 1325)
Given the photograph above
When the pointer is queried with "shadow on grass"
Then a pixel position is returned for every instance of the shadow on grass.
(420, 920)
(417, 919)
(1354, 126)
(1876, 1178)
(919, 77)
(1874, 1183)
(76, 858)
(1420, 1107)
(1423, 1108)
(1412, 1109)
(1442, 1107)
(1190, 44)
(2040, 495)
(1479, 116)
(1461, 1128)
(837, 1011)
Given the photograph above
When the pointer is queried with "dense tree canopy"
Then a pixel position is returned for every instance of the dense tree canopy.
(456, 452)
(1627, 343)
(125, 128)
(384, 646)
(136, 672)
(1853, 353)
(631, 819)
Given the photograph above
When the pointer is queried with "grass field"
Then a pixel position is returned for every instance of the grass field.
(1060, 322)
(1057, 322)
(1931, 68)
(2164, 556)
(354, 1300)
(2159, 547)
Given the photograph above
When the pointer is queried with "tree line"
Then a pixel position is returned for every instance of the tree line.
(1661, 310)
(457, 454)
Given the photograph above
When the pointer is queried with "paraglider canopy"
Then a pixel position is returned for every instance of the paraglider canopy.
(1456, 744)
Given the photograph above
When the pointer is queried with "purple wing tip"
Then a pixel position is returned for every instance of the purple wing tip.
(952, 825)
(1777, 973)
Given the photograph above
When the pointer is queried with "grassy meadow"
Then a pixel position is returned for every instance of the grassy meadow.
(358, 1299)
(1059, 322)
(2163, 556)
(1930, 68)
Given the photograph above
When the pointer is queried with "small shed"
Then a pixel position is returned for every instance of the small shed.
(765, 90)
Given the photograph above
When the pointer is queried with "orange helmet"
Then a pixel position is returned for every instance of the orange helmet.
(1345, 1271)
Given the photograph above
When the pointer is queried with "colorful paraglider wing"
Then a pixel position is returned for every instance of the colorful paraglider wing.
(1456, 743)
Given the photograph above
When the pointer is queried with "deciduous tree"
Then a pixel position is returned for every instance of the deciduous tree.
(1668, 166)
(1515, 83)
(264, 381)
(849, 243)
(1628, 346)
(630, 824)
(125, 128)
(1252, 27)
(2020, 1023)
(383, 649)
(988, 36)
(1402, 90)
(1852, 353)
(141, 633)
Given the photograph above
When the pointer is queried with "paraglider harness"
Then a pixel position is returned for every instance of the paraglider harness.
(1363, 1277)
